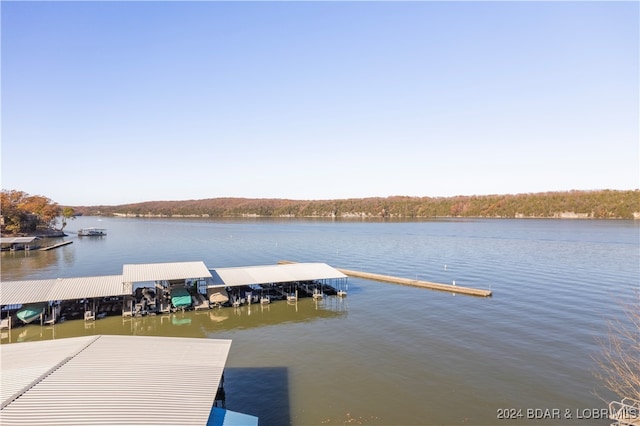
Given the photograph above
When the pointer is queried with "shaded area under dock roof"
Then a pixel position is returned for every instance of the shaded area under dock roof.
(287, 273)
(113, 380)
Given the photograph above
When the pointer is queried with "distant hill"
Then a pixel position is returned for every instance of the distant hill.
(609, 204)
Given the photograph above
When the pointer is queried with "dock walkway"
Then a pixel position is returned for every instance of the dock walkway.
(417, 283)
(64, 243)
(451, 288)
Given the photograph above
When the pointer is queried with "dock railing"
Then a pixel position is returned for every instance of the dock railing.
(625, 412)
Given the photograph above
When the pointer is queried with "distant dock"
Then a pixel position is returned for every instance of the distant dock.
(451, 288)
(64, 243)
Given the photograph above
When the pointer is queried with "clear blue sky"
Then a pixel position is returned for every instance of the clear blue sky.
(119, 102)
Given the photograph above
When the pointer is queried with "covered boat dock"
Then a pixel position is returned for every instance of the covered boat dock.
(160, 288)
(19, 243)
(81, 291)
(279, 281)
(292, 272)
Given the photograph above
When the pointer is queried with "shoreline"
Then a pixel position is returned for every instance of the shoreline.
(355, 217)
(48, 233)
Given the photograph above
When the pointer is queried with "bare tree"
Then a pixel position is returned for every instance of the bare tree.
(619, 360)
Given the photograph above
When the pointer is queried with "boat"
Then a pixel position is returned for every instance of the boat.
(92, 232)
(30, 312)
(218, 296)
(180, 298)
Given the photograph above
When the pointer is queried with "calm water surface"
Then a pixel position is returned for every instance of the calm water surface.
(388, 354)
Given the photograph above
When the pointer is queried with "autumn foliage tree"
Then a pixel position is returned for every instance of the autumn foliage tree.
(599, 204)
(23, 213)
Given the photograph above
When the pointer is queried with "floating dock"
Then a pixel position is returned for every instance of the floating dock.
(64, 243)
(451, 288)
(417, 283)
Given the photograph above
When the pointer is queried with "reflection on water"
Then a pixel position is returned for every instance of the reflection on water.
(24, 262)
(206, 323)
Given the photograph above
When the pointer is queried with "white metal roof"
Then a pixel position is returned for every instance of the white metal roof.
(19, 240)
(277, 273)
(20, 292)
(23, 292)
(24, 363)
(111, 380)
(164, 271)
(87, 287)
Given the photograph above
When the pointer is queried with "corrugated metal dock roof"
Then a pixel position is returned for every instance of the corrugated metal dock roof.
(164, 271)
(22, 292)
(23, 364)
(87, 287)
(32, 291)
(276, 274)
(18, 240)
(111, 380)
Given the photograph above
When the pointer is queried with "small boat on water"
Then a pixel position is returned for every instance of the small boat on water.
(30, 312)
(92, 232)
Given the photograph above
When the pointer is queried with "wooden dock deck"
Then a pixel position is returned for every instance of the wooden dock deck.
(451, 288)
(64, 243)
(418, 283)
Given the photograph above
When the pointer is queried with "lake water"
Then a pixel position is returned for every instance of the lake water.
(387, 354)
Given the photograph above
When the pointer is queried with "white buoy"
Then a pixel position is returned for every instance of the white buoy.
(454, 282)
(445, 266)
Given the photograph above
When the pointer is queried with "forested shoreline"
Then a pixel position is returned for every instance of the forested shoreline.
(601, 204)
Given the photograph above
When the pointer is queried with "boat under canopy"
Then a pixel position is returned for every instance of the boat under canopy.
(218, 295)
(30, 312)
(180, 298)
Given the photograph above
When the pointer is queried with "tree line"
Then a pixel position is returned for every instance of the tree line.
(26, 214)
(600, 204)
